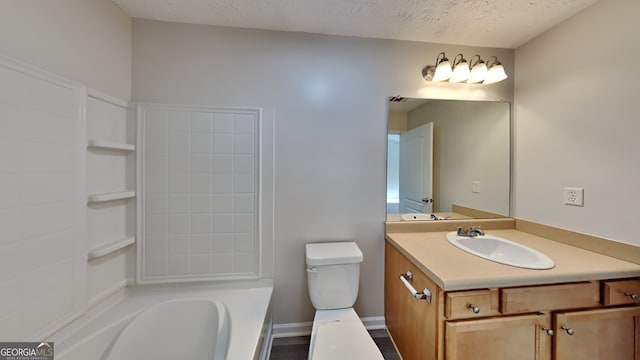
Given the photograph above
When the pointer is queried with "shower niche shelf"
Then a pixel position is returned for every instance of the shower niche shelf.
(112, 196)
(109, 247)
(108, 145)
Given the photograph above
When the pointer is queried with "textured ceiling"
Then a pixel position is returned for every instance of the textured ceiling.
(490, 23)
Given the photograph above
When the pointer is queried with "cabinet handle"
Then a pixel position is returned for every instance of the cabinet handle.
(631, 295)
(569, 330)
(548, 331)
(475, 309)
(424, 295)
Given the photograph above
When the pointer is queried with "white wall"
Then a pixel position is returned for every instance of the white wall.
(85, 41)
(576, 114)
(329, 95)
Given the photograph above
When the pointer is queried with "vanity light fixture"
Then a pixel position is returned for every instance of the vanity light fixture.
(440, 72)
(475, 71)
(478, 70)
(460, 69)
(495, 73)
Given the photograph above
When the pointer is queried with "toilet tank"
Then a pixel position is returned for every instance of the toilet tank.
(333, 274)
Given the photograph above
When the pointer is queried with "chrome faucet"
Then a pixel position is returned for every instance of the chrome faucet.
(472, 232)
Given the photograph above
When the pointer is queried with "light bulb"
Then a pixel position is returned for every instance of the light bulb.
(443, 71)
(495, 74)
(460, 73)
(478, 73)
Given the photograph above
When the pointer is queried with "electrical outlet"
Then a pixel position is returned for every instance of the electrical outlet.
(574, 196)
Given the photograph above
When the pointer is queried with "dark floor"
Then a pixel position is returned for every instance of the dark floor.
(296, 348)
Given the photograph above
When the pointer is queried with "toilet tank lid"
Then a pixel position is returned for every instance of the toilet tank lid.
(333, 253)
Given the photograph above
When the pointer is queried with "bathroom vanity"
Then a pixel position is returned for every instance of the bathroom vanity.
(467, 307)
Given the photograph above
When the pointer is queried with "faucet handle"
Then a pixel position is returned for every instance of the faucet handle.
(476, 229)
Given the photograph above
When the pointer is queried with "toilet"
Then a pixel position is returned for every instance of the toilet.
(333, 276)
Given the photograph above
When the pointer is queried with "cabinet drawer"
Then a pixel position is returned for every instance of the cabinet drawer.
(549, 297)
(621, 292)
(461, 304)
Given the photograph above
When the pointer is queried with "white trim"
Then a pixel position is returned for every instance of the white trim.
(292, 329)
(107, 98)
(374, 322)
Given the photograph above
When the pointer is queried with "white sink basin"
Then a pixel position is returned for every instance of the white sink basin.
(502, 251)
(416, 217)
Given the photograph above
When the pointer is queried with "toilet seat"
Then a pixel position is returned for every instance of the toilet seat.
(340, 335)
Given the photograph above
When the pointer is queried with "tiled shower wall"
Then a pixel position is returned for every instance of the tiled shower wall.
(199, 203)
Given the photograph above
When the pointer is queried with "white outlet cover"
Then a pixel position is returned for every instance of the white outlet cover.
(574, 196)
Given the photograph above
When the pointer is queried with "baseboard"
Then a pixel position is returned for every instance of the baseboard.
(292, 329)
(304, 328)
(374, 322)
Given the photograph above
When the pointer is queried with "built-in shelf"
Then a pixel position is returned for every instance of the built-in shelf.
(108, 248)
(96, 198)
(99, 144)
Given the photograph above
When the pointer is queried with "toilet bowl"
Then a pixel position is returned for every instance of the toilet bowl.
(333, 271)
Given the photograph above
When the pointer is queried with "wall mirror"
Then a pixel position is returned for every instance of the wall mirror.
(447, 159)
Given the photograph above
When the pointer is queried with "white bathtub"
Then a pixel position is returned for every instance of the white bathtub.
(230, 322)
(175, 329)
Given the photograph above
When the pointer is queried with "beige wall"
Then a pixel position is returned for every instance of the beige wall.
(88, 42)
(397, 122)
(329, 95)
(576, 123)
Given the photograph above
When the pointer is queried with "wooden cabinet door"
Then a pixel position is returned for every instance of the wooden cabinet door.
(606, 334)
(505, 338)
(412, 323)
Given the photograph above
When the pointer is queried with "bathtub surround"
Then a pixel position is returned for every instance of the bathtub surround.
(204, 193)
(42, 208)
(65, 228)
(87, 43)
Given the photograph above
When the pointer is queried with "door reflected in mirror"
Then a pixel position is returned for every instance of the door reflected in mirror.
(449, 158)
